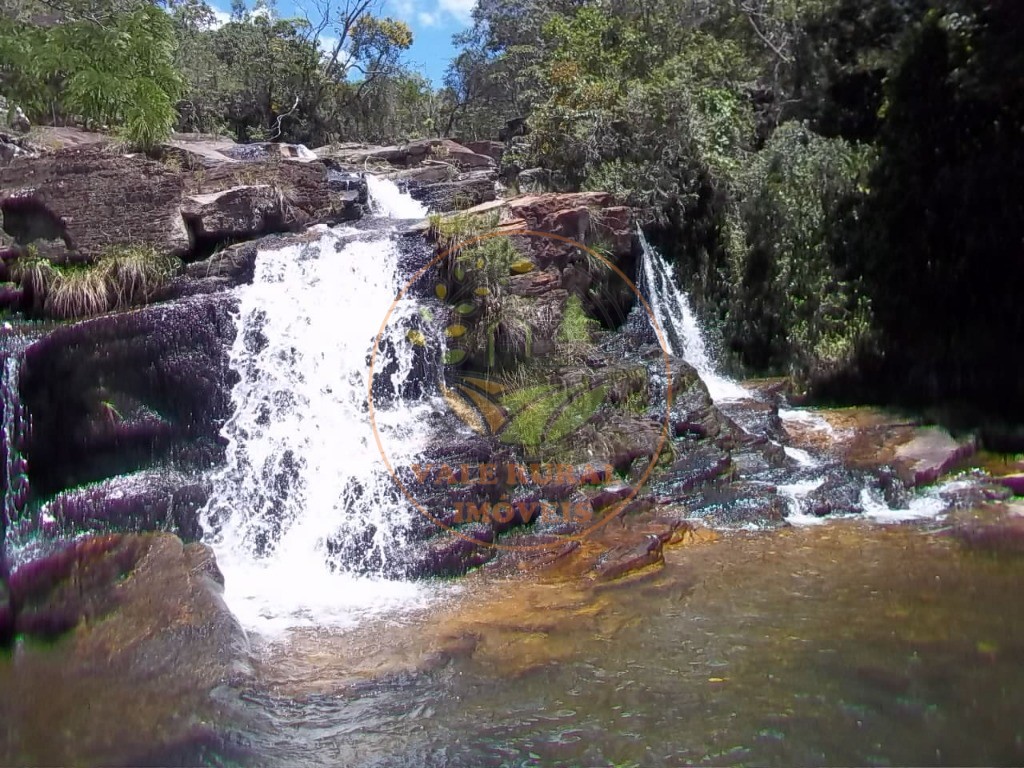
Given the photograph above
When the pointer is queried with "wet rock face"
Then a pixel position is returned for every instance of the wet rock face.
(125, 391)
(147, 501)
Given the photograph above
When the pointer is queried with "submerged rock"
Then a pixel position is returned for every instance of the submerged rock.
(453, 554)
(144, 638)
(630, 558)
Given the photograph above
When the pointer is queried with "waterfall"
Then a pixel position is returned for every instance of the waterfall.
(679, 326)
(15, 426)
(387, 200)
(304, 518)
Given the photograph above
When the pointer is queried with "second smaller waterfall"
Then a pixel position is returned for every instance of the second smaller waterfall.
(679, 326)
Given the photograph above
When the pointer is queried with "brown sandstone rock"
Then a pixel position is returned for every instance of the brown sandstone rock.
(91, 199)
(406, 155)
(630, 558)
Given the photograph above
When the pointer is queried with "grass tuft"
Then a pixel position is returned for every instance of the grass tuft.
(120, 278)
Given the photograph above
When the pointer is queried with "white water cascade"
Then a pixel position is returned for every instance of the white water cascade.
(387, 200)
(679, 326)
(304, 508)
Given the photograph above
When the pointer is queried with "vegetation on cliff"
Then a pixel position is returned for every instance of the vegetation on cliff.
(838, 181)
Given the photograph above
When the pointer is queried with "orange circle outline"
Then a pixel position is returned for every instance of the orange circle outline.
(617, 507)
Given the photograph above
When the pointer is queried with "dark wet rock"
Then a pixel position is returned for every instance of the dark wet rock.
(235, 264)
(666, 528)
(453, 554)
(757, 456)
(534, 552)
(144, 502)
(838, 495)
(630, 558)
(349, 181)
(121, 392)
(738, 504)
(894, 490)
(758, 418)
(464, 191)
(695, 467)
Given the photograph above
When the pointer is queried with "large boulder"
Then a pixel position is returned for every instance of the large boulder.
(92, 200)
(239, 213)
(406, 155)
(492, 149)
(125, 391)
(466, 190)
(89, 199)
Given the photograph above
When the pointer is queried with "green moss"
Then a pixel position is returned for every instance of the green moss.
(576, 327)
(635, 403)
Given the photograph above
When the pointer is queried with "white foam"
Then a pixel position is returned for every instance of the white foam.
(304, 491)
(795, 493)
(387, 200)
(801, 457)
(807, 419)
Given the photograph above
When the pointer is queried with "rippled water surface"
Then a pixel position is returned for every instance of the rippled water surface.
(843, 644)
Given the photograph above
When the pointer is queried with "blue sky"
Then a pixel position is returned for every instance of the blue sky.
(433, 22)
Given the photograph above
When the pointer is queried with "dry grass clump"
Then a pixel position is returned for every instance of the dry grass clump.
(120, 278)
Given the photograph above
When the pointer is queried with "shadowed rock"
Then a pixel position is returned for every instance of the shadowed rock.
(144, 502)
(120, 392)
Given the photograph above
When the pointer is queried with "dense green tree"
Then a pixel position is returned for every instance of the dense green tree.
(112, 64)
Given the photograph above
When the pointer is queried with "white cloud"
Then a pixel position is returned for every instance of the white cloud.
(462, 10)
(405, 8)
(327, 44)
(428, 19)
(220, 18)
